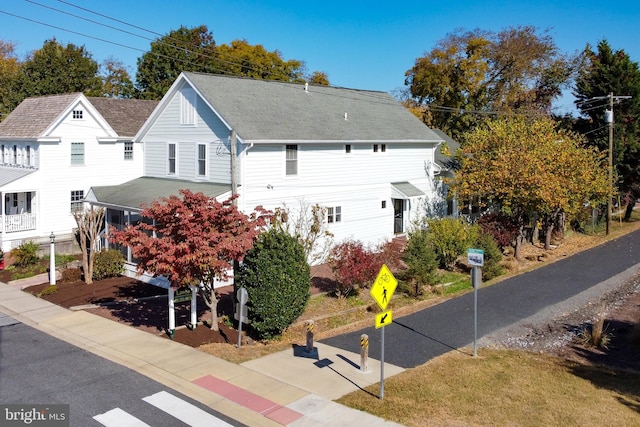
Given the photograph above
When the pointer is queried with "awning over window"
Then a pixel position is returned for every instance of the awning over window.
(405, 190)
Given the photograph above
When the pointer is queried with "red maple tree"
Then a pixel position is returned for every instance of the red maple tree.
(193, 240)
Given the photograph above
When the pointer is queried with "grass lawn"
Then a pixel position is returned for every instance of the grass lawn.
(504, 388)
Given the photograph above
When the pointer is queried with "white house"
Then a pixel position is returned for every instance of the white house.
(52, 150)
(358, 153)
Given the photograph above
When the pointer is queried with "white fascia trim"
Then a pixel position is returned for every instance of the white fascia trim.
(337, 141)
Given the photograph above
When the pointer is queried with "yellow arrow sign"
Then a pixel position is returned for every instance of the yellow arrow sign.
(384, 287)
(383, 319)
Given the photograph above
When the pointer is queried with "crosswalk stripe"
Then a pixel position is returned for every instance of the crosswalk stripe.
(119, 418)
(184, 411)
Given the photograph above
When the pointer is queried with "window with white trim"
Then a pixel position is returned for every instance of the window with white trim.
(292, 160)
(14, 155)
(128, 150)
(171, 159)
(188, 101)
(379, 148)
(202, 160)
(347, 148)
(77, 153)
(76, 200)
(334, 214)
(76, 114)
(28, 156)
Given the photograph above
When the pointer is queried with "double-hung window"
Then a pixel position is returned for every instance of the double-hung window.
(202, 160)
(292, 160)
(77, 153)
(76, 200)
(171, 159)
(128, 150)
(334, 214)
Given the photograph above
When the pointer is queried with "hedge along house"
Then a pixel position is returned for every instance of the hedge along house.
(359, 154)
(52, 150)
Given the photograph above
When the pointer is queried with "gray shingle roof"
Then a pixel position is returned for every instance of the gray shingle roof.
(10, 174)
(125, 116)
(261, 110)
(34, 115)
(145, 190)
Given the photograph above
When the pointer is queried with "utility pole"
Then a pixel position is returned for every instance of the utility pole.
(609, 207)
(609, 119)
(234, 165)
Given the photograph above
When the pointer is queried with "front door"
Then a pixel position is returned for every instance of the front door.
(398, 216)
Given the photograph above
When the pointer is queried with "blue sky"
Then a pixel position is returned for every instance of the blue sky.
(359, 44)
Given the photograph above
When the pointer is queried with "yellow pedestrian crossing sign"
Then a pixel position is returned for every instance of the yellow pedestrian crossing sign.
(383, 287)
(383, 319)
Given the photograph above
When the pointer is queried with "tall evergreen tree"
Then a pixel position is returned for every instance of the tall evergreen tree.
(605, 72)
(56, 69)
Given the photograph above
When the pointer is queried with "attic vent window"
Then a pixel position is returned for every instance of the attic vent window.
(76, 114)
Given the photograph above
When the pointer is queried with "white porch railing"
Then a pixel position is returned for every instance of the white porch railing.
(20, 222)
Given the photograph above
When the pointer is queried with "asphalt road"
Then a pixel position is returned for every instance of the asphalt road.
(37, 369)
(415, 339)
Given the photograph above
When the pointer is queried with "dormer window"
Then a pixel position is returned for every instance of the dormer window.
(76, 114)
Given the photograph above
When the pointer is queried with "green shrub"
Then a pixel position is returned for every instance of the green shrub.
(107, 263)
(421, 262)
(25, 254)
(492, 257)
(49, 290)
(277, 278)
(451, 238)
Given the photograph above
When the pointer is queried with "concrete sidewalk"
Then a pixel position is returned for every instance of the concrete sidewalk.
(290, 388)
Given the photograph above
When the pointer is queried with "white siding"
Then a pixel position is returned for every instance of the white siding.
(327, 175)
(208, 129)
(104, 164)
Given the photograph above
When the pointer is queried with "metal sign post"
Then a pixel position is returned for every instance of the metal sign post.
(475, 258)
(241, 311)
(382, 291)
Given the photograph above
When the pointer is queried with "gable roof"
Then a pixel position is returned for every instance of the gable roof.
(272, 111)
(125, 116)
(446, 162)
(35, 115)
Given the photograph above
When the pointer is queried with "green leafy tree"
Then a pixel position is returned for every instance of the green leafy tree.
(243, 59)
(198, 240)
(184, 49)
(277, 278)
(451, 237)
(421, 262)
(603, 72)
(194, 49)
(56, 69)
(116, 80)
(524, 167)
(492, 256)
(516, 69)
(9, 68)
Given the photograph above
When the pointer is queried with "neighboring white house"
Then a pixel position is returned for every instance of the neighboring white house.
(52, 150)
(360, 154)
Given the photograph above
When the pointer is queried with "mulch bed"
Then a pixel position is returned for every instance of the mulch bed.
(144, 306)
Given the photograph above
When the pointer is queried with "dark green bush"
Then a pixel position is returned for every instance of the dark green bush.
(277, 278)
(421, 263)
(492, 257)
(108, 263)
(25, 254)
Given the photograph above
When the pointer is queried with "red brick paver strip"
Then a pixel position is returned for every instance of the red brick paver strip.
(278, 413)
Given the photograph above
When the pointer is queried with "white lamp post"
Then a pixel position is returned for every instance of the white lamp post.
(52, 259)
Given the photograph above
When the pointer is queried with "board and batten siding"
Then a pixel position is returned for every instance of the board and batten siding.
(208, 130)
